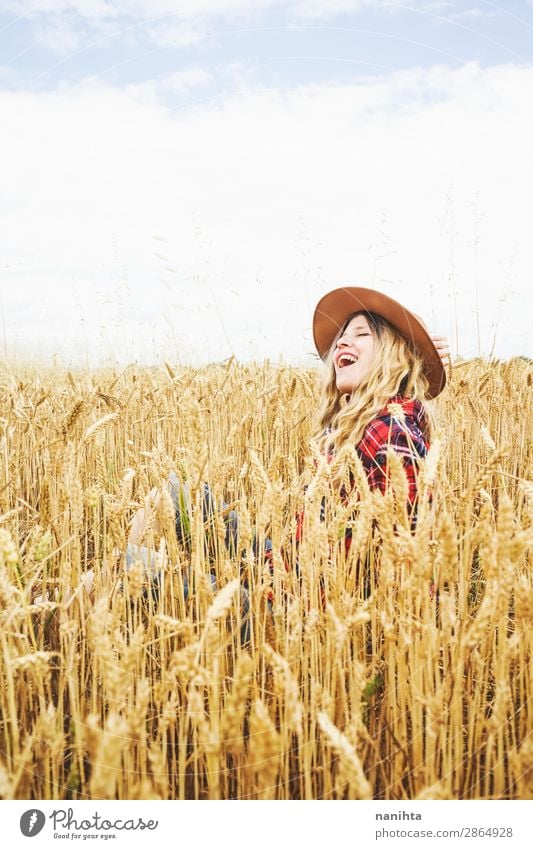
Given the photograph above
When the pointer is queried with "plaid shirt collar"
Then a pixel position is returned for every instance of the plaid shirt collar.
(401, 408)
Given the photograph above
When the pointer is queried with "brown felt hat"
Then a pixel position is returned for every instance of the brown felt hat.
(334, 308)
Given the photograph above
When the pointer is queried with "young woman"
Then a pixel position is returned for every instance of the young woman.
(382, 367)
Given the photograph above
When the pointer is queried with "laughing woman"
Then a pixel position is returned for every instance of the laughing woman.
(382, 367)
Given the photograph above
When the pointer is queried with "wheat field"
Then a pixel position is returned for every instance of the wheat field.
(401, 670)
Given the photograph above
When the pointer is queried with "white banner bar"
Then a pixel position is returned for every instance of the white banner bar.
(269, 825)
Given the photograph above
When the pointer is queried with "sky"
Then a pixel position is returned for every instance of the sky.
(182, 180)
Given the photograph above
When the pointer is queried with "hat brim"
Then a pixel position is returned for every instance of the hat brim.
(334, 308)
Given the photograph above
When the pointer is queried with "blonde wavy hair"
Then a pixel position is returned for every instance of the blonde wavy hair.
(396, 368)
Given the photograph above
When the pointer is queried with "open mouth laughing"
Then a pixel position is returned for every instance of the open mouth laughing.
(346, 360)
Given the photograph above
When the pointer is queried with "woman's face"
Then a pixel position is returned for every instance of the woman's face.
(353, 354)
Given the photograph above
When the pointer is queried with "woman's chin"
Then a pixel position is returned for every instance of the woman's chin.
(344, 385)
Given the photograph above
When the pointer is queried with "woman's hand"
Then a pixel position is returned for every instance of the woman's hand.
(442, 346)
(141, 517)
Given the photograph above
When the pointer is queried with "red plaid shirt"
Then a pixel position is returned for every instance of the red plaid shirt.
(404, 430)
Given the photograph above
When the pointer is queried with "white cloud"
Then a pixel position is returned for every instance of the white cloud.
(468, 14)
(472, 15)
(145, 9)
(140, 9)
(84, 8)
(165, 88)
(61, 35)
(163, 33)
(184, 22)
(185, 80)
(265, 199)
(330, 8)
(65, 25)
(327, 8)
